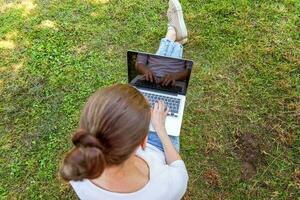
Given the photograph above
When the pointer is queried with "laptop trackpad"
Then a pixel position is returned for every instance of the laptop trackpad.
(173, 125)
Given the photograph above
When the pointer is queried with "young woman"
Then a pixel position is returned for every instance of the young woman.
(115, 158)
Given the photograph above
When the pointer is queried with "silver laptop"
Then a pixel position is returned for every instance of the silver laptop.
(171, 90)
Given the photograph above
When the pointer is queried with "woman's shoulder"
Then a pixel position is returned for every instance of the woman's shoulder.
(151, 154)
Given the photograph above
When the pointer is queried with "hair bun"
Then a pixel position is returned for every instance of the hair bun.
(87, 160)
(85, 139)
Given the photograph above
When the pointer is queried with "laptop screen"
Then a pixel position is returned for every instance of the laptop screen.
(158, 72)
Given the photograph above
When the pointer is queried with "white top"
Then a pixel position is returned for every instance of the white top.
(167, 182)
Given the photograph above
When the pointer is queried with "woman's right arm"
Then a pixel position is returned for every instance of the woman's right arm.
(177, 171)
(158, 118)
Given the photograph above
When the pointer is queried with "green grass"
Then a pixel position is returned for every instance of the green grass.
(246, 79)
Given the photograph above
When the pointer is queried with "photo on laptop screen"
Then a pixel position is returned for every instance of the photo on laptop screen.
(159, 72)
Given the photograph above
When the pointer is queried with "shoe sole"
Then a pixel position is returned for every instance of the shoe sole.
(181, 20)
(183, 41)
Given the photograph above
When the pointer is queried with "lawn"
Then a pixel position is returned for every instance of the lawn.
(240, 136)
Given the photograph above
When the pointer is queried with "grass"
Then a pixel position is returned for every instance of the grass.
(246, 79)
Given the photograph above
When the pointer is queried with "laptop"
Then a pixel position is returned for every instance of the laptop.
(173, 94)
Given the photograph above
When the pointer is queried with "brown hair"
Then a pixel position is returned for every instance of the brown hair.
(113, 123)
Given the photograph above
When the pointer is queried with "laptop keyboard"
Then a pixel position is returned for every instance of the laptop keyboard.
(148, 84)
(172, 103)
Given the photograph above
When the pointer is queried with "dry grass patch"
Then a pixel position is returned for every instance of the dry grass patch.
(98, 1)
(48, 24)
(27, 5)
(212, 178)
(7, 44)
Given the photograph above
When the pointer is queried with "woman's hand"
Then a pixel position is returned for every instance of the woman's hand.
(168, 79)
(147, 73)
(149, 76)
(158, 116)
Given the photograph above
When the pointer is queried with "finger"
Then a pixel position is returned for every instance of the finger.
(151, 77)
(163, 106)
(156, 106)
(167, 110)
(146, 76)
(155, 79)
(161, 80)
(168, 82)
(160, 105)
(166, 107)
(173, 82)
(164, 82)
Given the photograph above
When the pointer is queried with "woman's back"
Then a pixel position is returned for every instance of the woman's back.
(165, 181)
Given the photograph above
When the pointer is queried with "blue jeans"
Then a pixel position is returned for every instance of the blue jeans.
(154, 140)
(171, 49)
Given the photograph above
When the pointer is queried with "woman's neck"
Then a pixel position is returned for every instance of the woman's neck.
(131, 176)
(120, 170)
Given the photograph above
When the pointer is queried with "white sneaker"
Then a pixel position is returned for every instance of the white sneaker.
(175, 19)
